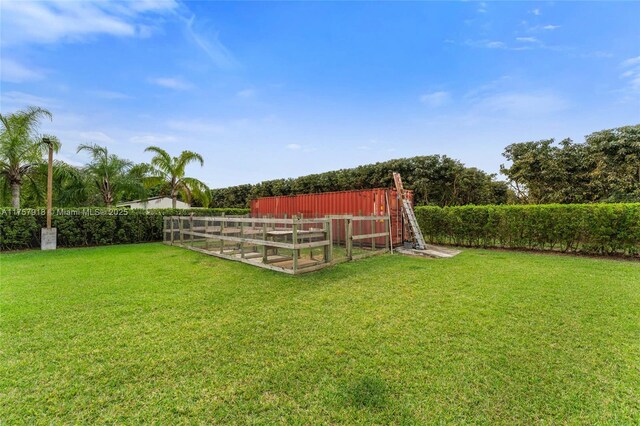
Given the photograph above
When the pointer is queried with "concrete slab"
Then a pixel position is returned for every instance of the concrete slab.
(437, 252)
(48, 238)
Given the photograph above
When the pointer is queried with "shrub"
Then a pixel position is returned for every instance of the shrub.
(20, 229)
(604, 229)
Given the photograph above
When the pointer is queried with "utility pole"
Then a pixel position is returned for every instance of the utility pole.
(48, 235)
(49, 182)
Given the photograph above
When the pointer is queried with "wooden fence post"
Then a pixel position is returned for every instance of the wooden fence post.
(222, 234)
(294, 240)
(328, 249)
(373, 231)
(180, 227)
(172, 230)
(241, 242)
(387, 242)
(360, 242)
(265, 250)
(350, 238)
(206, 233)
(346, 222)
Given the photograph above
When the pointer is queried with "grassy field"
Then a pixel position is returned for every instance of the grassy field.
(142, 333)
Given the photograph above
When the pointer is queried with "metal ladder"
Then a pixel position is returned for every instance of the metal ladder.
(409, 214)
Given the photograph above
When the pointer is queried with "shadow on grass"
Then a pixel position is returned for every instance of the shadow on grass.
(367, 392)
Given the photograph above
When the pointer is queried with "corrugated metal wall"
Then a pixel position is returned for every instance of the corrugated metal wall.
(369, 202)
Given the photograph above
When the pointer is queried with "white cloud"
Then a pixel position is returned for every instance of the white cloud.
(74, 21)
(497, 85)
(536, 12)
(495, 45)
(436, 99)
(145, 31)
(171, 83)
(482, 7)
(152, 5)
(525, 43)
(538, 28)
(527, 39)
(246, 93)
(522, 104)
(211, 45)
(489, 44)
(54, 21)
(18, 100)
(96, 137)
(15, 72)
(294, 146)
(632, 73)
(595, 54)
(60, 156)
(631, 62)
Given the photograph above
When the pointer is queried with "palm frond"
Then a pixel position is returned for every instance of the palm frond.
(161, 161)
(197, 190)
(53, 140)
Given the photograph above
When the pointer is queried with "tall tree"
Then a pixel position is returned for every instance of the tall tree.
(615, 156)
(606, 167)
(111, 175)
(435, 180)
(536, 172)
(69, 183)
(169, 172)
(21, 148)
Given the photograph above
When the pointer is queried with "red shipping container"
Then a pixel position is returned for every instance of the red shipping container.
(367, 202)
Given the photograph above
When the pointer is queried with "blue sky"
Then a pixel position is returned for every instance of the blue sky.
(268, 90)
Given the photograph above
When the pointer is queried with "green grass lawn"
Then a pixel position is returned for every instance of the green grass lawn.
(142, 333)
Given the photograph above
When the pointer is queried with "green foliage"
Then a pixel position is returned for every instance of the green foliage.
(21, 149)
(605, 168)
(20, 229)
(113, 177)
(435, 180)
(605, 229)
(71, 186)
(168, 173)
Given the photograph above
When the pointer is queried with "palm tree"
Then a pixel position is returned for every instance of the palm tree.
(111, 174)
(70, 185)
(169, 172)
(21, 148)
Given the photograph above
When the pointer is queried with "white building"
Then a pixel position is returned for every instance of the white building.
(154, 203)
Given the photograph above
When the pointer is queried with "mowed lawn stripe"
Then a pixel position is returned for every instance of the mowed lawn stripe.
(142, 333)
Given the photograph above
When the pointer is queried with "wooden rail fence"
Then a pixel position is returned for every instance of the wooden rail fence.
(291, 246)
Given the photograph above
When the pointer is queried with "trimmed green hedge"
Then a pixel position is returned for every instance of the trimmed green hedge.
(20, 229)
(605, 229)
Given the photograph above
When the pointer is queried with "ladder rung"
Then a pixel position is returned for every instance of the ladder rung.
(408, 212)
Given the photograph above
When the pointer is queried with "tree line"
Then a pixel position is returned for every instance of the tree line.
(435, 179)
(605, 168)
(104, 181)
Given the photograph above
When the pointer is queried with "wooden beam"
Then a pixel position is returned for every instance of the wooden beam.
(231, 219)
(365, 236)
(261, 242)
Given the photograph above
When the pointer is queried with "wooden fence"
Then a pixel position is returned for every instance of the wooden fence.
(292, 246)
